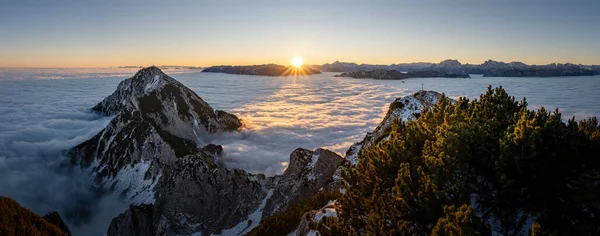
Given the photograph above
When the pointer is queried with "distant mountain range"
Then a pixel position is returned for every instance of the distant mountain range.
(382, 74)
(267, 70)
(489, 68)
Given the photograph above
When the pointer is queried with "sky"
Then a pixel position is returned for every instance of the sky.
(111, 33)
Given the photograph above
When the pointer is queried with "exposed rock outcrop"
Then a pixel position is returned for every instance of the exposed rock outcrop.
(152, 152)
(54, 218)
(156, 120)
(196, 196)
(137, 221)
(307, 172)
(329, 210)
(382, 74)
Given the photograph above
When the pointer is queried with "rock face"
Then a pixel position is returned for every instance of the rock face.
(196, 196)
(55, 219)
(151, 152)
(267, 70)
(138, 221)
(306, 174)
(156, 120)
(382, 74)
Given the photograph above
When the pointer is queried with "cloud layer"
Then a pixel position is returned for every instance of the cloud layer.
(45, 112)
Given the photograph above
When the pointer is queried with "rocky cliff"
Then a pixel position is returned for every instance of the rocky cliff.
(307, 173)
(195, 196)
(156, 120)
(152, 153)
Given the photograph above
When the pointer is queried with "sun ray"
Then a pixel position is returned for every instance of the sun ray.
(297, 61)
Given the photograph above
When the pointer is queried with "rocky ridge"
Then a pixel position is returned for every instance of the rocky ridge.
(176, 183)
(152, 152)
(403, 108)
(156, 120)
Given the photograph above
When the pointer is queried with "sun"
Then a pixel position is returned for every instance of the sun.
(297, 61)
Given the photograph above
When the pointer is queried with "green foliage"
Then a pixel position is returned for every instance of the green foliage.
(283, 223)
(459, 221)
(470, 167)
(17, 220)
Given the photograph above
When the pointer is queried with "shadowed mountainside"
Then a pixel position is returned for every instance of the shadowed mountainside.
(17, 220)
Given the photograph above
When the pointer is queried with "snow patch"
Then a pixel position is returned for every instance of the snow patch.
(152, 85)
(327, 211)
(130, 180)
(312, 233)
(255, 217)
(110, 140)
(313, 161)
(353, 158)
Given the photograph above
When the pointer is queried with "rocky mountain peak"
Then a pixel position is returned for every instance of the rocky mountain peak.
(151, 78)
(449, 63)
(156, 121)
(128, 91)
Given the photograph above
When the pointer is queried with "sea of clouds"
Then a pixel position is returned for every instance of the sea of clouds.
(44, 112)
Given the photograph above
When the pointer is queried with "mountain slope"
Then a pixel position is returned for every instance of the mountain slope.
(481, 167)
(156, 120)
(151, 152)
(282, 223)
(17, 220)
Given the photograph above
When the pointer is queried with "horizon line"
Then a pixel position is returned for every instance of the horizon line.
(255, 64)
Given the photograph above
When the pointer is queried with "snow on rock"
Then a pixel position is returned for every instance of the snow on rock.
(329, 210)
(307, 173)
(404, 108)
(153, 85)
(312, 233)
(131, 181)
(253, 220)
(156, 119)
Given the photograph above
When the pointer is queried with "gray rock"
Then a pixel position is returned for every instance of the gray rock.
(194, 195)
(54, 218)
(150, 152)
(156, 120)
(307, 172)
(138, 221)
